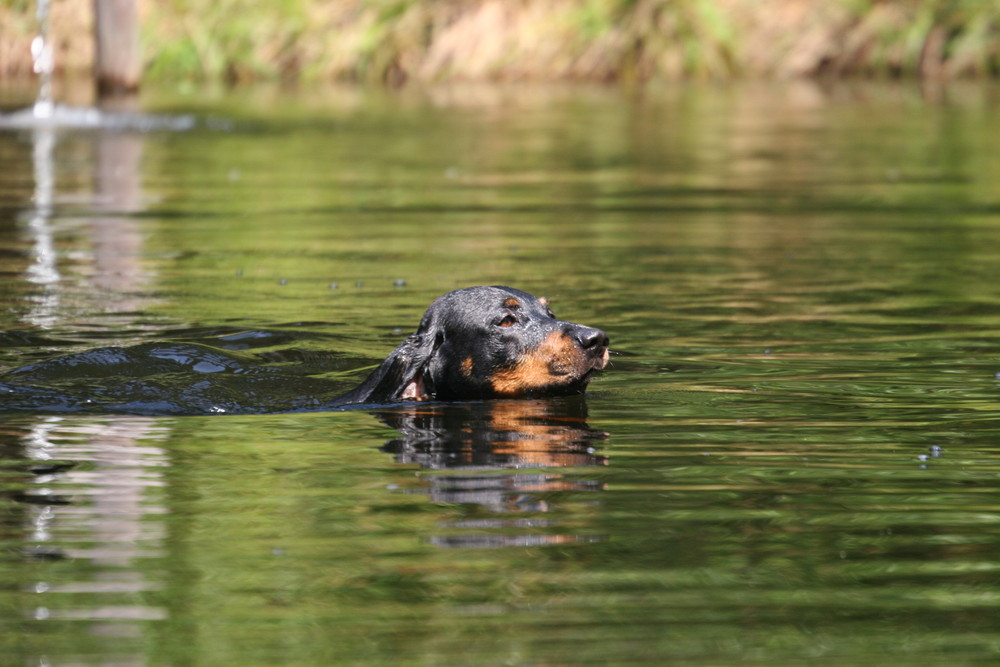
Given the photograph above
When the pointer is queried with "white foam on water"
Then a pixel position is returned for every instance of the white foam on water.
(48, 115)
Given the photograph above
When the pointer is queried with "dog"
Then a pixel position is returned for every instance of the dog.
(473, 343)
(487, 342)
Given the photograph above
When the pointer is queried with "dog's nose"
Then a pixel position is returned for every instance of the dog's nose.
(589, 337)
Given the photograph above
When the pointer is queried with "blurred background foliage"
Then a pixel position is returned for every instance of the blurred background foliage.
(399, 41)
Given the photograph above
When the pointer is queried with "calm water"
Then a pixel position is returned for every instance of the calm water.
(794, 458)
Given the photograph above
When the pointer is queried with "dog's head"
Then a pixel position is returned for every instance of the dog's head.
(487, 342)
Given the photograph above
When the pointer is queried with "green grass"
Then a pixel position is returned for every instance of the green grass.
(399, 41)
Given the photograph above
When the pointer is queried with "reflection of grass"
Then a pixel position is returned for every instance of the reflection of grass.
(430, 40)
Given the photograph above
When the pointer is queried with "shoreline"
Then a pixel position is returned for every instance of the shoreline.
(430, 41)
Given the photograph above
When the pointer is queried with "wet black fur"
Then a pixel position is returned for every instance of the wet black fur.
(474, 323)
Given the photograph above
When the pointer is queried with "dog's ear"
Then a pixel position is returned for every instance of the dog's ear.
(403, 376)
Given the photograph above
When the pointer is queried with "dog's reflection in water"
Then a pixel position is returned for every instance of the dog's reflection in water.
(501, 457)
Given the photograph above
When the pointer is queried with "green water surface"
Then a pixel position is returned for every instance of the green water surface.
(792, 459)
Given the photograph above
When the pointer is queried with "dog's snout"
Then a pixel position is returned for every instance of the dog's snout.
(588, 337)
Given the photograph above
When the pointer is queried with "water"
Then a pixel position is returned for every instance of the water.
(792, 458)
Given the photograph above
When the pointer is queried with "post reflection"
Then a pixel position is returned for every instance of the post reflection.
(85, 505)
(503, 457)
(43, 271)
(81, 271)
(91, 495)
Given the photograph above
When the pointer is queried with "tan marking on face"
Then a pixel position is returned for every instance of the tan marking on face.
(467, 366)
(557, 361)
(511, 303)
(542, 300)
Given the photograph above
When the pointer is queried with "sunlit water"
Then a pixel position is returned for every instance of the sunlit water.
(793, 457)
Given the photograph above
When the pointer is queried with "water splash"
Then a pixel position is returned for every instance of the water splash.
(47, 113)
(54, 116)
(43, 63)
(44, 269)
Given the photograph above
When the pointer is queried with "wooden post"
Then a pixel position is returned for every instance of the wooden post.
(117, 64)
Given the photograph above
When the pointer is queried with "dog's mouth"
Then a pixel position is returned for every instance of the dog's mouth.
(585, 366)
(601, 359)
(598, 363)
(598, 366)
(597, 360)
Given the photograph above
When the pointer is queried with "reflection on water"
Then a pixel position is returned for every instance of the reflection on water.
(44, 269)
(92, 513)
(503, 456)
(117, 239)
(497, 434)
(111, 273)
(97, 534)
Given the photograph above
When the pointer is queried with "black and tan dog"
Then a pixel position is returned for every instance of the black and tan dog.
(473, 343)
(487, 342)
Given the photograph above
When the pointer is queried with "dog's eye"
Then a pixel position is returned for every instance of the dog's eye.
(507, 321)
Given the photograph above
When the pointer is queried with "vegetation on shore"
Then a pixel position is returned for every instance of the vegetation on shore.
(399, 41)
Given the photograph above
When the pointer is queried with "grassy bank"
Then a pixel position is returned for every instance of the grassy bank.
(399, 41)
